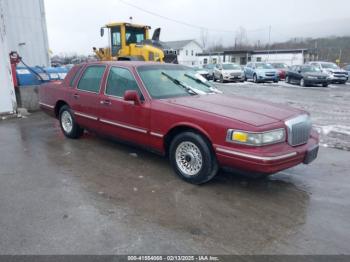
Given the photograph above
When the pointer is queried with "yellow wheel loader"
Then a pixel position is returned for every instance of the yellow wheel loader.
(131, 42)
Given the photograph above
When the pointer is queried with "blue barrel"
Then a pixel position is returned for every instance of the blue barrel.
(56, 73)
(29, 76)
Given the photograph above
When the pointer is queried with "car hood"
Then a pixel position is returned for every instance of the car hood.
(233, 71)
(314, 74)
(334, 70)
(250, 111)
(265, 70)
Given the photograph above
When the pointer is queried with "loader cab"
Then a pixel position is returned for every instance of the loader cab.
(122, 35)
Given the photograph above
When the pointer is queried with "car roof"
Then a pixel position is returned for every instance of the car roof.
(129, 64)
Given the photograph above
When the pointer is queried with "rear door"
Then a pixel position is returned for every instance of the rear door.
(124, 119)
(85, 96)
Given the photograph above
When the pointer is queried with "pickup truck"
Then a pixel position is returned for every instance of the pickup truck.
(167, 109)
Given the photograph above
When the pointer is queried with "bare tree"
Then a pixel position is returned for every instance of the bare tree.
(241, 38)
(204, 36)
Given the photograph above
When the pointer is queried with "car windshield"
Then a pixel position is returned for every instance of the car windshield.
(231, 66)
(264, 66)
(165, 81)
(279, 65)
(329, 65)
(310, 69)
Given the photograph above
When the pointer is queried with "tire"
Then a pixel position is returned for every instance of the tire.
(68, 125)
(222, 79)
(192, 158)
(287, 80)
(325, 85)
(214, 79)
(302, 82)
(255, 78)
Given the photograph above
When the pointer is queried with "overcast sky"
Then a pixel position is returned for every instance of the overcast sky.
(73, 25)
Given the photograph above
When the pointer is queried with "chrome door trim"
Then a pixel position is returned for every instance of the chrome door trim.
(86, 116)
(156, 134)
(46, 105)
(140, 130)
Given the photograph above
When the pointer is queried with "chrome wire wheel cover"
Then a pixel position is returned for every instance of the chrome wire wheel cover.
(67, 122)
(188, 158)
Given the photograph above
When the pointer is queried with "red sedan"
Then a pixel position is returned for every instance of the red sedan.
(169, 109)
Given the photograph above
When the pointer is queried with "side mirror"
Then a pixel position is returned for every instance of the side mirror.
(102, 31)
(132, 95)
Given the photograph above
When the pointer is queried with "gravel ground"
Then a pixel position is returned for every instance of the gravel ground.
(329, 107)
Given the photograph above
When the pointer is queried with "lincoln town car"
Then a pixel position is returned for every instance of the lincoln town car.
(171, 110)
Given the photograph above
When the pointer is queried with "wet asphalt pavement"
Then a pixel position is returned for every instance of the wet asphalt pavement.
(94, 196)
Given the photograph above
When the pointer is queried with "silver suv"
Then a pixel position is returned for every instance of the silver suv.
(334, 72)
(228, 72)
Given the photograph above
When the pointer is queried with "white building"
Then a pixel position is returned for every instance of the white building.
(242, 57)
(26, 30)
(7, 92)
(287, 56)
(187, 51)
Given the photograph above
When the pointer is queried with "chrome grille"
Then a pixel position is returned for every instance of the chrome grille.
(298, 130)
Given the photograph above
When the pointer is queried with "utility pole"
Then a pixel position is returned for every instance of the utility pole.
(269, 44)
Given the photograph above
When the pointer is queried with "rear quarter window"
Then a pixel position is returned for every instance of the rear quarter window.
(74, 75)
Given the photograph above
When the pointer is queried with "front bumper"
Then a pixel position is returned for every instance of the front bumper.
(233, 78)
(316, 81)
(268, 78)
(265, 159)
(337, 79)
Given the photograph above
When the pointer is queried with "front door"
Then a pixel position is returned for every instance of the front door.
(124, 119)
(84, 101)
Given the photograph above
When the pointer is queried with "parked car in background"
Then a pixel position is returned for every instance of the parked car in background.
(306, 75)
(228, 72)
(281, 69)
(204, 73)
(210, 69)
(347, 69)
(261, 72)
(166, 109)
(334, 72)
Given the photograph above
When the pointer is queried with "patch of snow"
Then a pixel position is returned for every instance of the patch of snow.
(325, 130)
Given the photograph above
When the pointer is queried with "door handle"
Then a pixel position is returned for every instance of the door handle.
(105, 102)
(76, 96)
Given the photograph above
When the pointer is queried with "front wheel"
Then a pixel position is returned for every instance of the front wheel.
(221, 79)
(302, 82)
(287, 80)
(68, 125)
(192, 158)
(325, 84)
(255, 79)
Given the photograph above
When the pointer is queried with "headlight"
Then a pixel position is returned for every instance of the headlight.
(256, 139)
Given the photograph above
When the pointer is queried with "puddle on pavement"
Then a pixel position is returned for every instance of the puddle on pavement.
(229, 211)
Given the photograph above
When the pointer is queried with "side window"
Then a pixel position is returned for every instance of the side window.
(91, 79)
(119, 81)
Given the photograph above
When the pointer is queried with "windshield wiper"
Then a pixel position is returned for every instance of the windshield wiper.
(212, 89)
(184, 85)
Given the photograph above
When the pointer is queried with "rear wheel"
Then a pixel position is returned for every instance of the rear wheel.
(192, 158)
(68, 125)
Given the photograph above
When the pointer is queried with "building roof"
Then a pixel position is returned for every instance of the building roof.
(177, 45)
